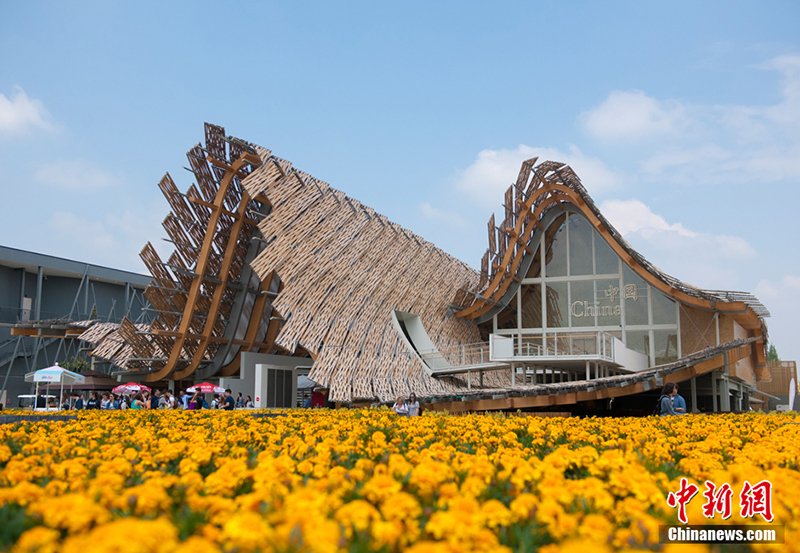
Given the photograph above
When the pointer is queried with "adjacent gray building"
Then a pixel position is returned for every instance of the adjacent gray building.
(52, 291)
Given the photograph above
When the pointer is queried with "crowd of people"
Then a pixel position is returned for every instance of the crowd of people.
(147, 400)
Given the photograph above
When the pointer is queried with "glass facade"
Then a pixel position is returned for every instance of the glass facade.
(583, 285)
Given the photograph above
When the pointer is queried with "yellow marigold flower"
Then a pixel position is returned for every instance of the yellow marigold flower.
(37, 540)
(496, 514)
(401, 506)
(356, 515)
(576, 546)
(388, 533)
(195, 544)
(247, 531)
(126, 535)
(595, 527)
(380, 487)
(72, 512)
(22, 494)
(523, 506)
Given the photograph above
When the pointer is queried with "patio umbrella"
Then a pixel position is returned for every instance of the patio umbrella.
(206, 388)
(54, 374)
(130, 388)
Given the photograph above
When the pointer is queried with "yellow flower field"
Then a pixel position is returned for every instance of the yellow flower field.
(366, 480)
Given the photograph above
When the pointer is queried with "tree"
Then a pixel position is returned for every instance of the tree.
(76, 364)
(772, 354)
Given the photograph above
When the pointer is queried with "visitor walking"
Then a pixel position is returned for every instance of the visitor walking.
(228, 403)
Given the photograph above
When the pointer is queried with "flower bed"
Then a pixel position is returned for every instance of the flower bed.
(369, 481)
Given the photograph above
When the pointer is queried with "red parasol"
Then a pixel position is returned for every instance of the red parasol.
(130, 388)
(206, 388)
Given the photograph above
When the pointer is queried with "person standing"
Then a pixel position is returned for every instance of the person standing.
(197, 401)
(138, 402)
(228, 403)
(78, 403)
(679, 403)
(400, 407)
(239, 401)
(413, 406)
(94, 402)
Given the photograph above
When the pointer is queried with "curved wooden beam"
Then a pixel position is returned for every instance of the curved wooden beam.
(193, 296)
(500, 284)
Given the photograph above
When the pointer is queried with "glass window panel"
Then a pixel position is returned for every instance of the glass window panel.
(556, 247)
(666, 346)
(664, 312)
(606, 261)
(582, 306)
(580, 245)
(557, 308)
(609, 309)
(531, 306)
(535, 269)
(507, 318)
(634, 293)
(638, 340)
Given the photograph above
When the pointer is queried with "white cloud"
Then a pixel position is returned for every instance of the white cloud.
(21, 113)
(787, 111)
(439, 215)
(790, 281)
(697, 258)
(692, 144)
(75, 175)
(632, 215)
(92, 235)
(493, 171)
(628, 115)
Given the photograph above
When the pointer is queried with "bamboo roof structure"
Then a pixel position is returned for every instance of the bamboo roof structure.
(270, 259)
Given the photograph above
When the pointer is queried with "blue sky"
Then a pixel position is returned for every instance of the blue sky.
(681, 118)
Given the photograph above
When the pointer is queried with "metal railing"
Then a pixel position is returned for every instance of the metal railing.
(467, 354)
(520, 347)
(574, 344)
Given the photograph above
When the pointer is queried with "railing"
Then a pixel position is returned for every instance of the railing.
(592, 345)
(520, 347)
(468, 354)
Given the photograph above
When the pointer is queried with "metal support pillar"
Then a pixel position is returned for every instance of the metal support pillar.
(86, 295)
(724, 395)
(37, 341)
(588, 368)
(10, 364)
(714, 390)
(693, 385)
